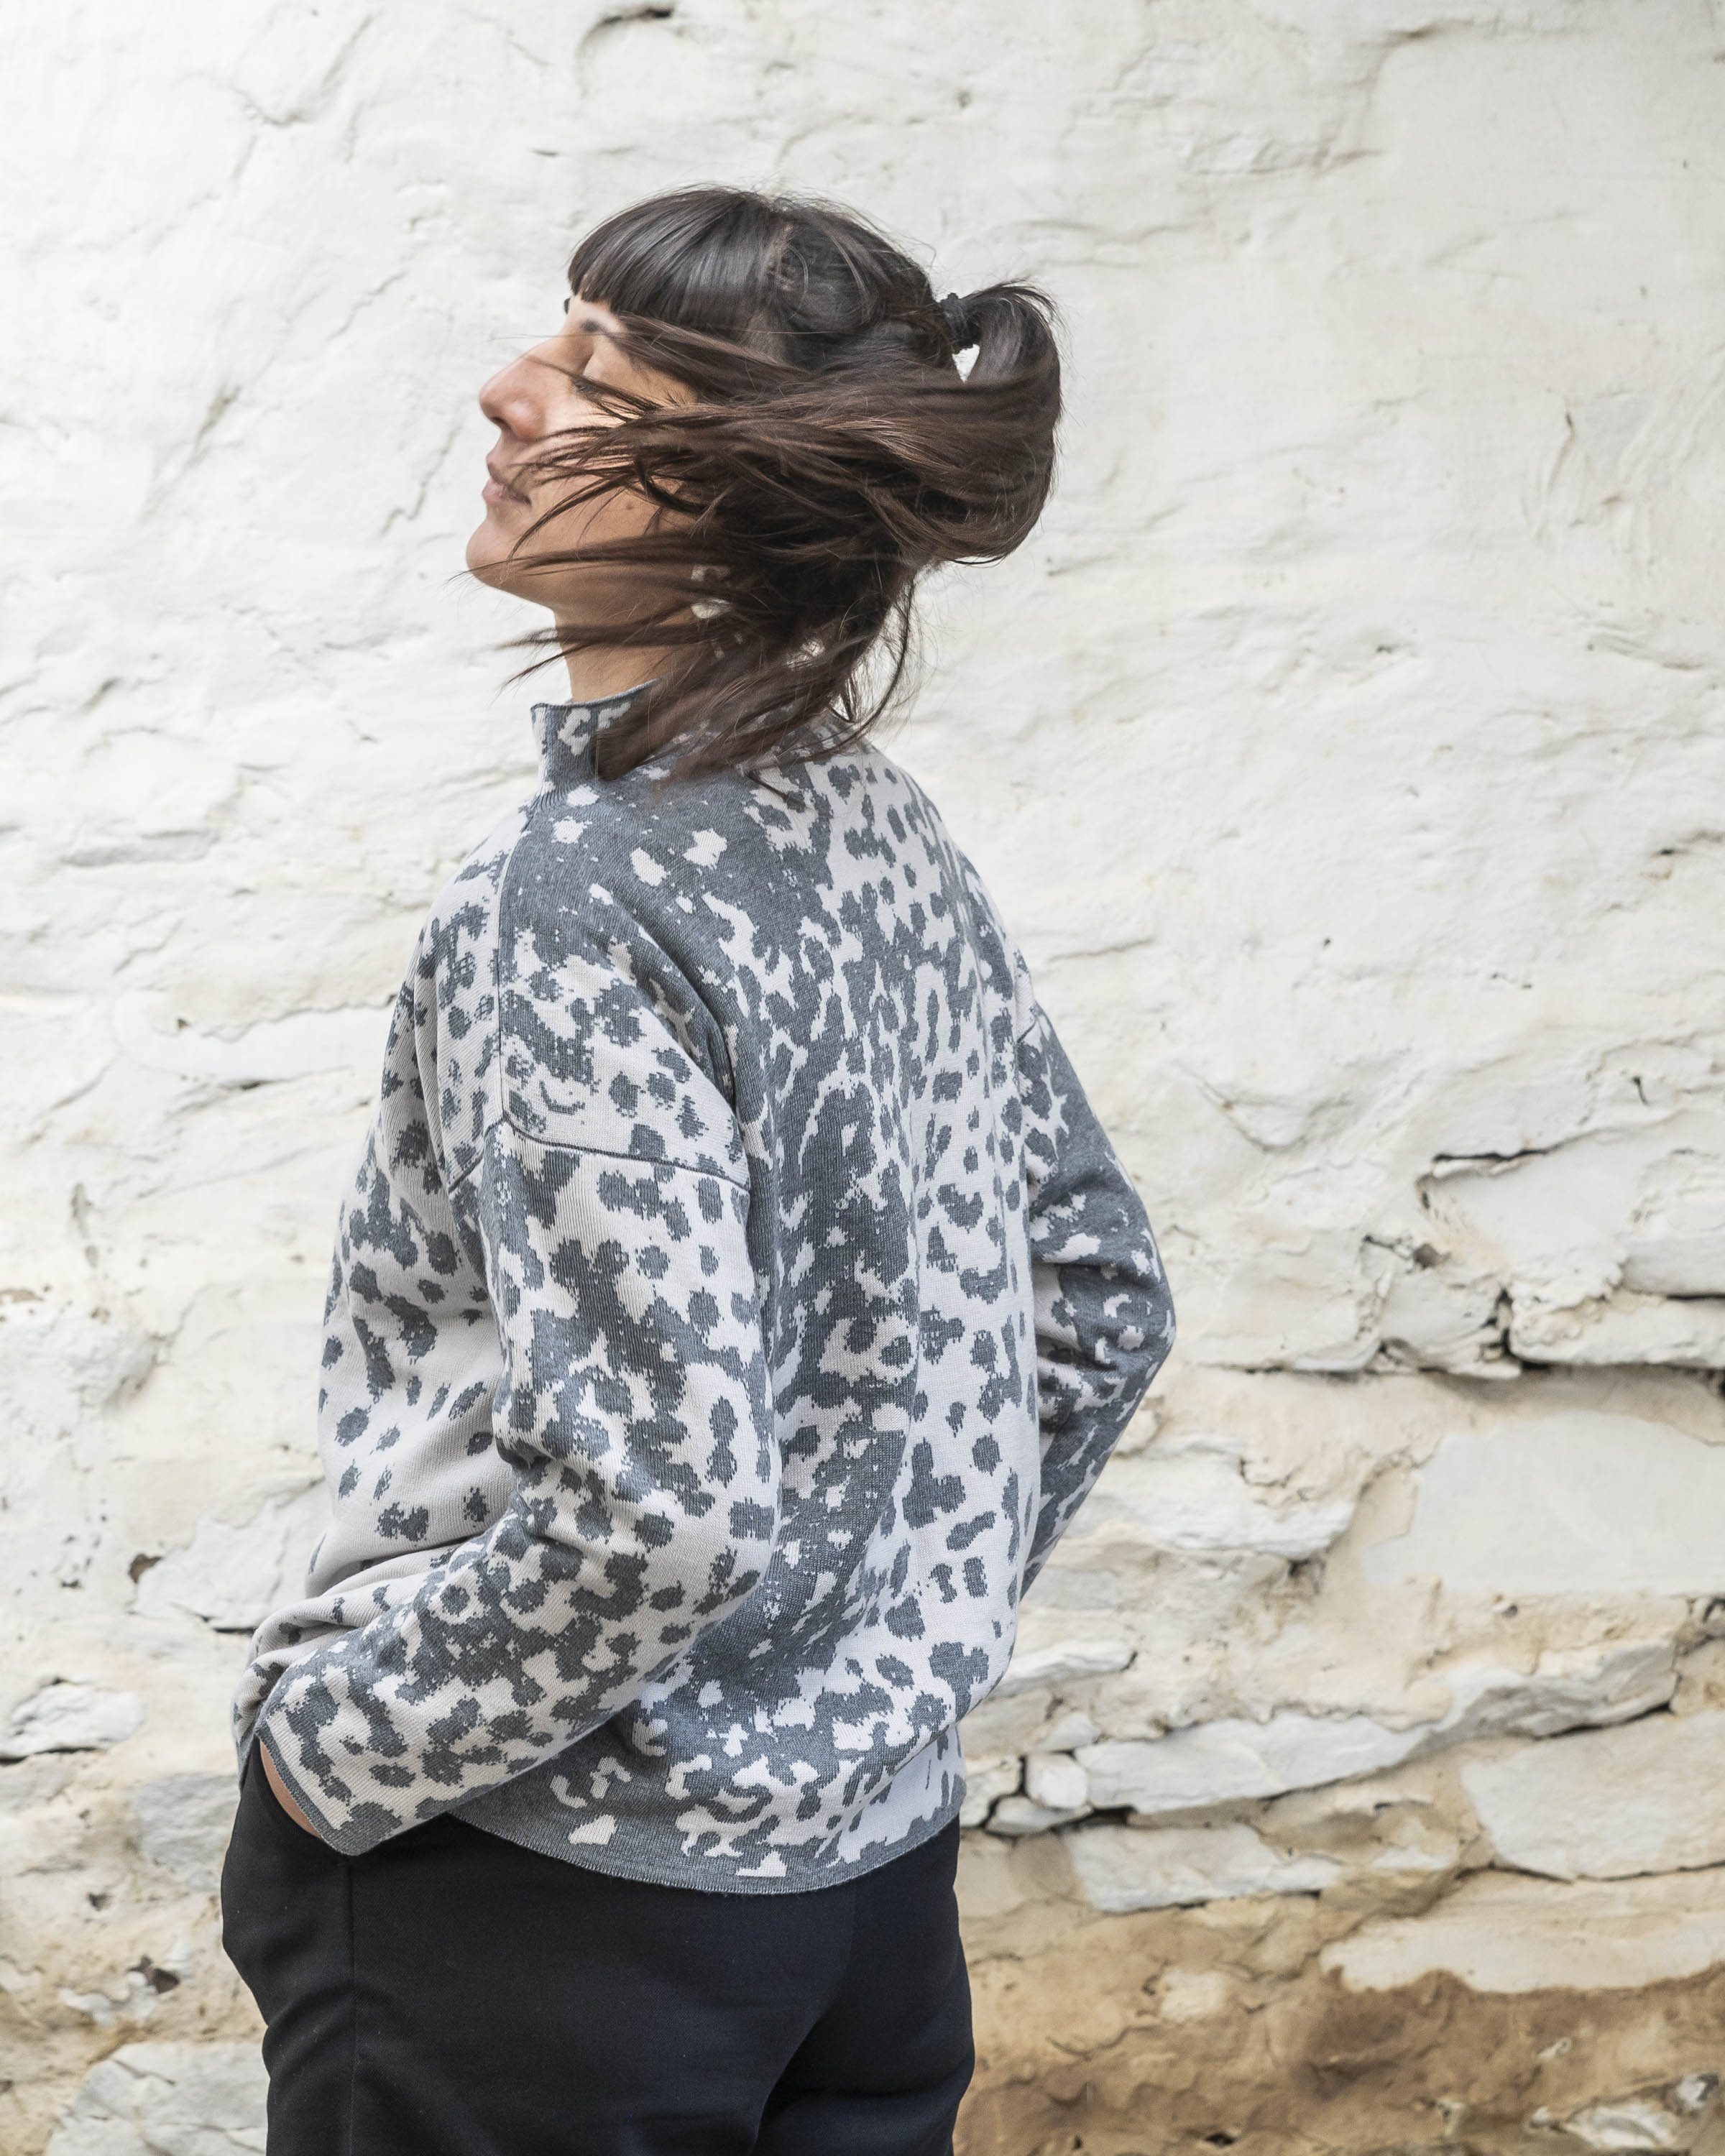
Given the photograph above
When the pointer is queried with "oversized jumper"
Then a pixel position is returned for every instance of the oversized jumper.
(736, 1298)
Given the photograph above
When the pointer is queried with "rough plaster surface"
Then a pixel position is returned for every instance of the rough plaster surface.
(1347, 750)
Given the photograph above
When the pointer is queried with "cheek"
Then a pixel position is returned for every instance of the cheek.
(619, 517)
(587, 523)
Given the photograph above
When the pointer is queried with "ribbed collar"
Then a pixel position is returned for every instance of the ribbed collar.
(565, 733)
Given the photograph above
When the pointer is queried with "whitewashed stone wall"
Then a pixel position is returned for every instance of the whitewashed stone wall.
(1347, 751)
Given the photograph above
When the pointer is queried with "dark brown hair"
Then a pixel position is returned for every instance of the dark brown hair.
(831, 453)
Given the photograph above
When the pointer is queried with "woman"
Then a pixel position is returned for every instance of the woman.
(736, 1298)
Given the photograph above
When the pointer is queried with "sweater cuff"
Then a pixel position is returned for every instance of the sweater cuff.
(341, 1839)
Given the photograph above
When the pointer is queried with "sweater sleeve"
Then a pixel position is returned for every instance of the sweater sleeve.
(1104, 1319)
(632, 1412)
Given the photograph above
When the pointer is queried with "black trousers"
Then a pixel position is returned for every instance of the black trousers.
(449, 1994)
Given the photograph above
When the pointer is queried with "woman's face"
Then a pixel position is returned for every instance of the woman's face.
(533, 397)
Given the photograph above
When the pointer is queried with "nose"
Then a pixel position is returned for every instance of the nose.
(514, 398)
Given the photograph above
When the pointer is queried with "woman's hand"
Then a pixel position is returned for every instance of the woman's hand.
(273, 1775)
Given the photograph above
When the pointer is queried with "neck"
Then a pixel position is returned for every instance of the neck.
(608, 670)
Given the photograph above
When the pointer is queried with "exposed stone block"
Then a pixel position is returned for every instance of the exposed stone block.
(1623, 1329)
(1500, 1933)
(985, 1782)
(1188, 1491)
(1065, 1661)
(183, 1823)
(1583, 1503)
(1023, 1815)
(1566, 1687)
(1056, 1781)
(1125, 1867)
(1216, 1761)
(168, 2100)
(1632, 2123)
(71, 1716)
(1609, 1804)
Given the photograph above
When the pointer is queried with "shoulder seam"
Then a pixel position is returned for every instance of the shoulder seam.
(506, 1121)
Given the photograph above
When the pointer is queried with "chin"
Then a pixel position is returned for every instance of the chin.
(486, 559)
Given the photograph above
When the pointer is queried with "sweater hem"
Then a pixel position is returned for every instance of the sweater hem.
(707, 1878)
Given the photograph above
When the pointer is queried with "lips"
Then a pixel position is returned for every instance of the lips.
(498, 489)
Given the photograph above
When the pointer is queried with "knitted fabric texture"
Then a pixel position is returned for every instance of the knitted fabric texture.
(735, 1298)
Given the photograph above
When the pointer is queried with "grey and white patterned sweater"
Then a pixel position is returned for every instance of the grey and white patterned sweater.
(735, 1300)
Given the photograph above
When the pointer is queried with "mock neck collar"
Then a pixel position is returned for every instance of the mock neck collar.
(564, 733)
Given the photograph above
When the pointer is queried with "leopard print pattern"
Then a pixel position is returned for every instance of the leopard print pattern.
(735, 1298)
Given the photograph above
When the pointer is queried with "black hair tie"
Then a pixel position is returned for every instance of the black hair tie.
(956, 315)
